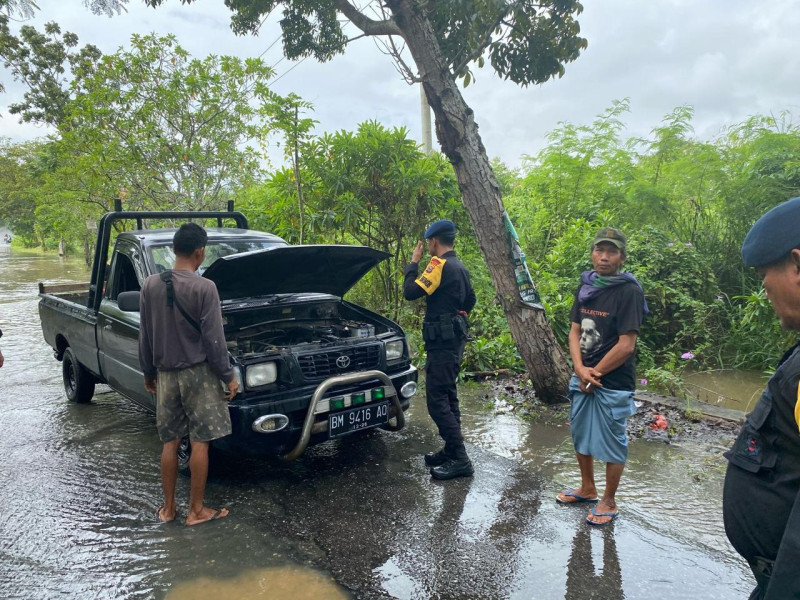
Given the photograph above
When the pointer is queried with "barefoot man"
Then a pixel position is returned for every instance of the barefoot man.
(606, 316)
(183, 355)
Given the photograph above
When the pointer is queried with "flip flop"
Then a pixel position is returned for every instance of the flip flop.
(578, 498)
(158, 516)
(217, 515)
(613, 516)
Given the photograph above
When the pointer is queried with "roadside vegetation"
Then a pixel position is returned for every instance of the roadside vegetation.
(174, 131)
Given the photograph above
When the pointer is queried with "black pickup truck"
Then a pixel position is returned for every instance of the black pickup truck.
(311, 365)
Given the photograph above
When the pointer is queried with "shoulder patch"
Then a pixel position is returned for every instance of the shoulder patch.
(431, 277)
(797, 408)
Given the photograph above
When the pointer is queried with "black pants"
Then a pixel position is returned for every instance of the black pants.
(441, 374)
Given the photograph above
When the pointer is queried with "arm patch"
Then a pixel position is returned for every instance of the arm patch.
(797, 408)
(431, 277)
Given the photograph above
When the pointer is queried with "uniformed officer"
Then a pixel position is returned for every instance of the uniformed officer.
(761, 497)
(449, 297)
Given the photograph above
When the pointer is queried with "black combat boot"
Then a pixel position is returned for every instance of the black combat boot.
(453, 467)
(434, 459)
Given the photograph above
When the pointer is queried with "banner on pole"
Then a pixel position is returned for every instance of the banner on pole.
(527, 289)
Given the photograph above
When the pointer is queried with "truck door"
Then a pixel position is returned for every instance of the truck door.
(118, 331)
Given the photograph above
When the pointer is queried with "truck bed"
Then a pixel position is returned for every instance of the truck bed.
(68, 321)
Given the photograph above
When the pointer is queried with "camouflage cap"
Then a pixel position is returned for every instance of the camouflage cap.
(609, 234)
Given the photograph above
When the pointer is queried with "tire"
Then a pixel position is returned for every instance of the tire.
(78, 382)
(184, 454)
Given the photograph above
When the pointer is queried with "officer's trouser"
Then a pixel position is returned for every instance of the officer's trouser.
(441, 374)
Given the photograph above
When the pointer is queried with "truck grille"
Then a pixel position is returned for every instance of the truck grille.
(336, 362)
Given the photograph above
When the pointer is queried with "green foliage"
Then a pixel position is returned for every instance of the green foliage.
(525, 42)
(756, 338)
(373, 187)
(46, 62)
(686, 206)
(172, 130)
(490, 353)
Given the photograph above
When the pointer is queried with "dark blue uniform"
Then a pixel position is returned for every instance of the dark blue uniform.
(761, 498)
(447, 289)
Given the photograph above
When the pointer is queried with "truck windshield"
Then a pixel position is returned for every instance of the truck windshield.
(163, 257)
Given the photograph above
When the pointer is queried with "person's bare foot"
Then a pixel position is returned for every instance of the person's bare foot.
(596, 515)
(206, 515)
(577, 495)
(164, 516)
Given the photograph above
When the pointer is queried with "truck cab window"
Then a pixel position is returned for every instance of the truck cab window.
(123, 277)
(163, 257)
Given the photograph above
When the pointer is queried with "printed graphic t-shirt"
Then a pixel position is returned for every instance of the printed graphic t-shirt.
(602, 319)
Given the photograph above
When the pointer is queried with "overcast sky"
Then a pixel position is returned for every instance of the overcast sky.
(728, 58)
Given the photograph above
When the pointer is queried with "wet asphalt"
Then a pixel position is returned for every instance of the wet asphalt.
(359, 517)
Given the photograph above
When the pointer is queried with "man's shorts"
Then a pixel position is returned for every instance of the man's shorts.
(191, 402)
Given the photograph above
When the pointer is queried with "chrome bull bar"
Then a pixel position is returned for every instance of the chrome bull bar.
(323, 387)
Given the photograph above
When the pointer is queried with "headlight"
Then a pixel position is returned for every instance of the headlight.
(394, 350)
(261, 374)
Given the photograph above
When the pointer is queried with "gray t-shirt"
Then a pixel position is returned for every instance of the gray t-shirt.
(167, 341)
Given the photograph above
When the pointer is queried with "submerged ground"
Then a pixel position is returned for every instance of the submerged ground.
(355, 518)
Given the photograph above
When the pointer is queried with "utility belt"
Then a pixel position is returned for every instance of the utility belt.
(445, 328)
(762, 571)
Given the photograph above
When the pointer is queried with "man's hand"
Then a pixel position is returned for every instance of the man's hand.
(416, 255)
(233, 389)
(590, 378)
(150, 385)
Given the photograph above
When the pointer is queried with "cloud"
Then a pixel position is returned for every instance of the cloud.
(728, 58)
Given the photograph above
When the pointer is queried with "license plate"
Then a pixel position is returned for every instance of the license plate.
(361, 417)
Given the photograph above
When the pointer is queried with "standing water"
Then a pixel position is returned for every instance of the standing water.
(355, 518)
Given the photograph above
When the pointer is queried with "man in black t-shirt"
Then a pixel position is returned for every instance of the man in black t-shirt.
(606, 316)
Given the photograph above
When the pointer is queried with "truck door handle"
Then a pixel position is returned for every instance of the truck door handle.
(108, 326)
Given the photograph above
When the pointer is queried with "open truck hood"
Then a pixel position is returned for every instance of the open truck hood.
(292, 269)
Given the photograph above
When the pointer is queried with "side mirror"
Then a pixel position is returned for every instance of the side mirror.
(129, 301)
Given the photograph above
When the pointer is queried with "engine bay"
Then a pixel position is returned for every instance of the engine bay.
(269, 329)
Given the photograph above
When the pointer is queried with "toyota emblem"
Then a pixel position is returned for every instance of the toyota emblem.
(343, 362)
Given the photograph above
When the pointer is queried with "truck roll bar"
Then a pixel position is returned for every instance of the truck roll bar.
(108, 219)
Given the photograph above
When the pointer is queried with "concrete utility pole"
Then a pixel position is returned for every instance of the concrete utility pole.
(425, 111)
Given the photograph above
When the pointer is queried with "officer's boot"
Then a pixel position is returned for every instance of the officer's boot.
(434, 459)
(457, 464)
(453, 467)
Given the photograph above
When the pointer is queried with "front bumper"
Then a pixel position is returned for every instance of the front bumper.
(307, 426)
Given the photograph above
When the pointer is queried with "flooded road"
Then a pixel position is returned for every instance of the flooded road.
(356, 518)
(739, 390)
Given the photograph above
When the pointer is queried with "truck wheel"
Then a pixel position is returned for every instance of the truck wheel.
(78, 382)
(184, 454)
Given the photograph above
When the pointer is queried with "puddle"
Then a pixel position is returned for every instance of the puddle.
(360, 516)
(739, 390)
(277, 583)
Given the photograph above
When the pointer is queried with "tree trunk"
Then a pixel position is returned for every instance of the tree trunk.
(457, 133)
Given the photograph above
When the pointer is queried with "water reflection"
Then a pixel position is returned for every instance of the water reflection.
(277, 583)
(79, 487)
(583, 582)
(738, 390)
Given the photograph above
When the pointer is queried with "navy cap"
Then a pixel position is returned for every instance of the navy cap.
(773, 236)
(443, 227)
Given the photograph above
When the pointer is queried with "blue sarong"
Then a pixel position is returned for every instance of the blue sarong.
(598, 421)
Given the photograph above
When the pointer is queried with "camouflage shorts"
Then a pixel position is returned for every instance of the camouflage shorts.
(191, 402)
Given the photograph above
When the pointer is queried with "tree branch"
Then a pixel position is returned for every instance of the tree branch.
(479, 50)
(364, 23)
